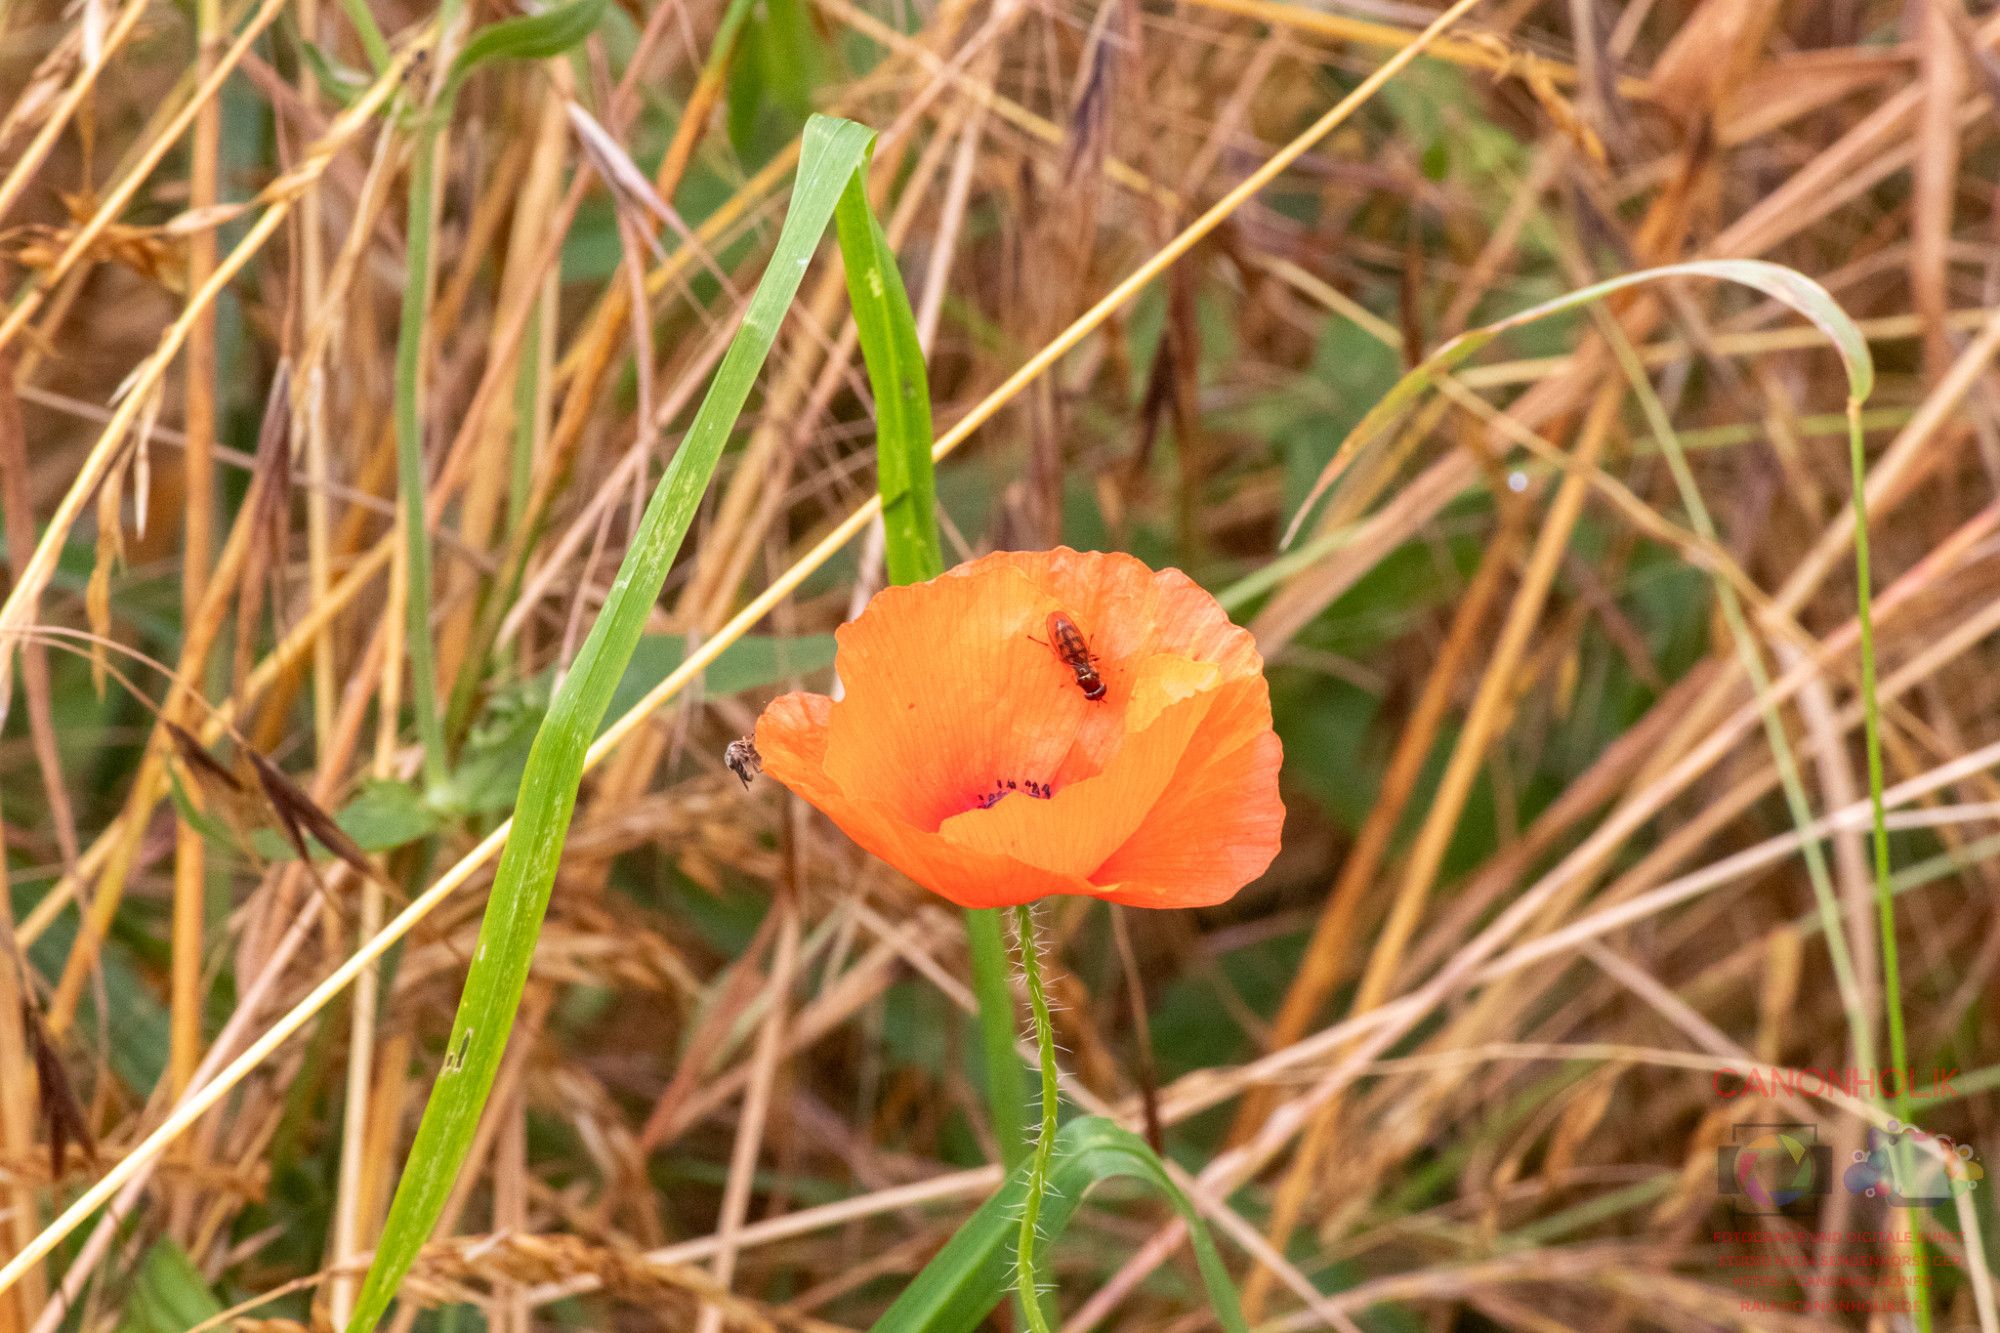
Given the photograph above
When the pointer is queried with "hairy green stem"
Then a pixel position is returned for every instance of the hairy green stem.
(1045, 1142)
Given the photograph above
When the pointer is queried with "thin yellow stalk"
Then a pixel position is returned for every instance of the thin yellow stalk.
(537, 202)
(1488, 53)
(350, 1220)
(198, 536)
(311, 417)
(757, 1098)
(21, 1217)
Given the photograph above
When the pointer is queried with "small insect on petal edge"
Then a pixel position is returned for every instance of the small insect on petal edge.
(743, 760)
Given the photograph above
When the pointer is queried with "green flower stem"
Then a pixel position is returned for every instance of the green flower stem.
(1045, 1142)
(1752, 660)
(1885, 890)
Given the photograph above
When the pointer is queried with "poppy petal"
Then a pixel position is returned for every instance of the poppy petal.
(1074, 831)
(1163, 791)
(792, 738)
(958, 696)
(1128, 610)
(1217, 825)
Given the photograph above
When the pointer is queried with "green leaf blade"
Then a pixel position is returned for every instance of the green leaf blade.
(169, 1293)
(530, 37)
(965, 1280)
(832, 152)
(887, 330)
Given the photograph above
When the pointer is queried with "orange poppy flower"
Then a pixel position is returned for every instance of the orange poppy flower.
(968, 753)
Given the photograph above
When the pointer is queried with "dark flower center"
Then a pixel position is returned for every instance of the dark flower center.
(1041, 791)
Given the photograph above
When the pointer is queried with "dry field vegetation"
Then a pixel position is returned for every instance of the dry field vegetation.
(1571, 663)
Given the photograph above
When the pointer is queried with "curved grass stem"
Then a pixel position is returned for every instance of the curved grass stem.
(1045, 1142)
(1885, 891)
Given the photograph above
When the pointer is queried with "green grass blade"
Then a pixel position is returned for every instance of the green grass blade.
(168, 1293)
(895, 360)
(369, 32)
(1006, 1080)
(962, 1284)
(534, 36)
(1776, 281)
(887, 331)
(1885, 890)
(1816, 304)
(833, 150)
(1750, 656)
(530, 37)
(410, 485)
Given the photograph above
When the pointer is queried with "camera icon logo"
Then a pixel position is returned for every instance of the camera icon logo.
(1770, 1168)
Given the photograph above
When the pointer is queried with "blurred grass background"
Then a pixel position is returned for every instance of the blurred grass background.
(1537, 1147)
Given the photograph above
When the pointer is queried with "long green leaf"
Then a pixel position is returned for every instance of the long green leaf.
(530, 37)
(1006, 1079)
(168, 1294)
(887, 330)
(1774, 280)
(962, 1284)
(888, 334)
(832, 151)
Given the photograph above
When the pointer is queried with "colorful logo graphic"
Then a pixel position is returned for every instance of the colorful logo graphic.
(1894, 1167)
(1772, 1167)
